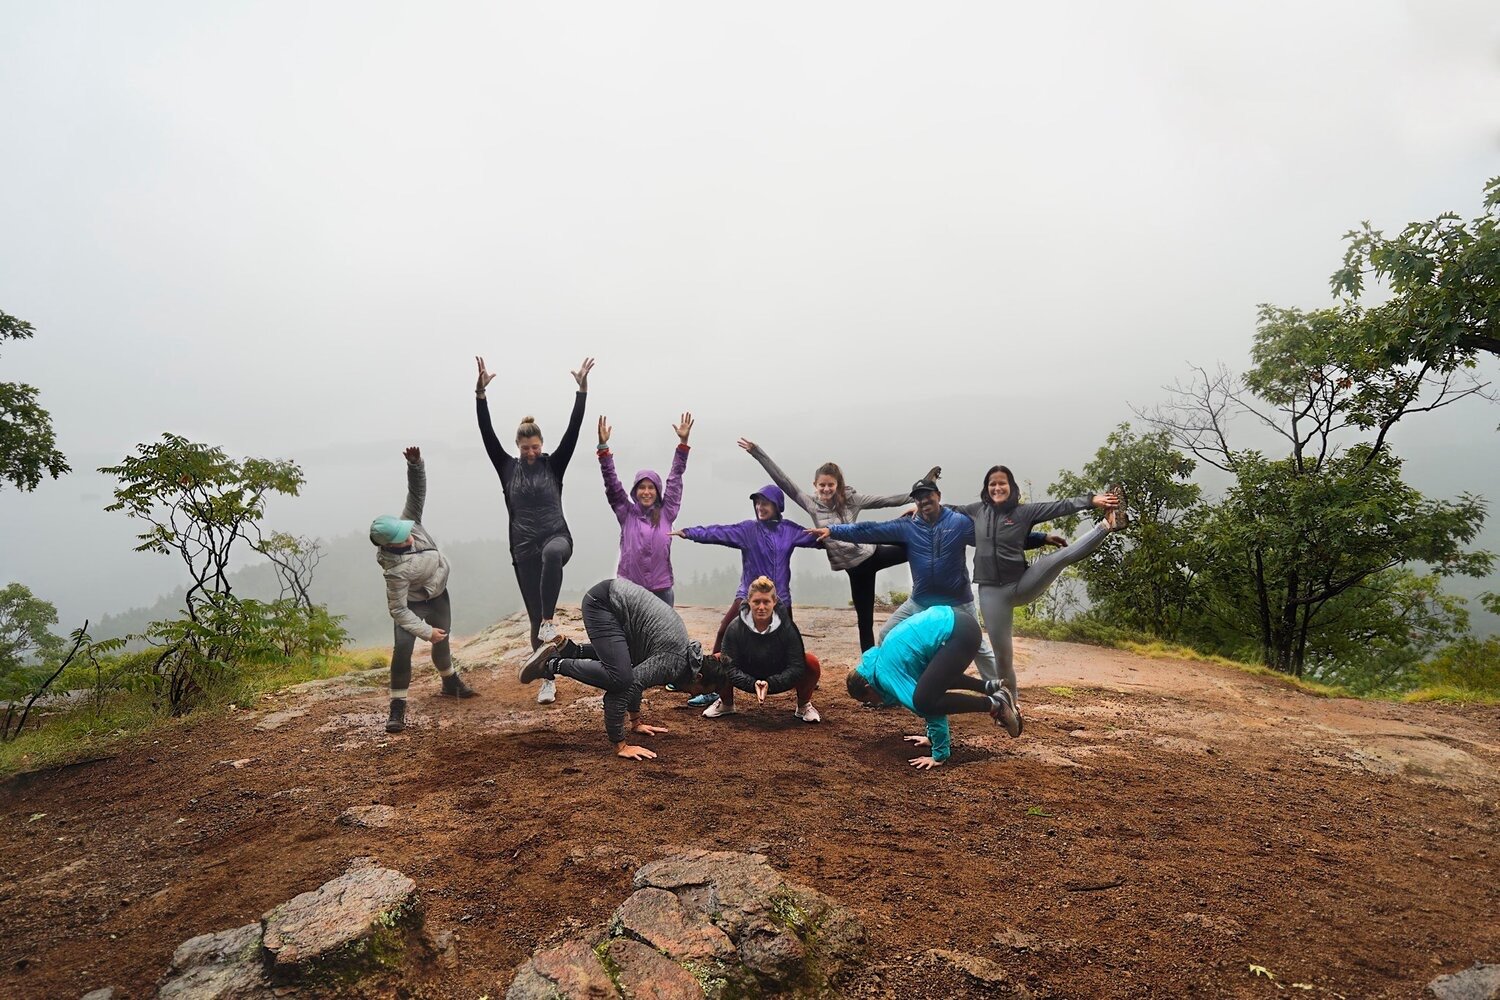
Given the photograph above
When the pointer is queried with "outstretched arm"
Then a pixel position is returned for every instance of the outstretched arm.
(416, 485)
(866, 531)
(492, 446)
(715, 534)
(614, 492)
(671, 501)
(564, 452)
(778, 477)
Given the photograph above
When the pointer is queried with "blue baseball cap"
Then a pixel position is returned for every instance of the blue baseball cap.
(388, 530)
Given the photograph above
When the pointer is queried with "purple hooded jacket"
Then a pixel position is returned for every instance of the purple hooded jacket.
(765, 546)
(645, 548)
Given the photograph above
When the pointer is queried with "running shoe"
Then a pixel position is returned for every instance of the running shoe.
(807, 713)
(1004, 711)
(1120, 519)
(716, 709)
(548, 694)
(538, 665)
(706, 698)
(454, 687)
(546, 631)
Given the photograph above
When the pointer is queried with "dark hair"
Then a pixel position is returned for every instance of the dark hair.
(714, 668)
(1012, 501)
(857, 685)
(840, 490)
(656, 507)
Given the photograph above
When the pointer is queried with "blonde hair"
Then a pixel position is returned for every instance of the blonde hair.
(528, 428)
(763, 585)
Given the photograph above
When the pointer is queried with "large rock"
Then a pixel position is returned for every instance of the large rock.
(357, 923)
(1480, 982)
(703, 924)
(225, 965)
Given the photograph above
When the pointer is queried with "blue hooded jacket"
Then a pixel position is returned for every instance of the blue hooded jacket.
(765, 546)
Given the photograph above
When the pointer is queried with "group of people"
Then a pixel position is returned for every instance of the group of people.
(635, 640)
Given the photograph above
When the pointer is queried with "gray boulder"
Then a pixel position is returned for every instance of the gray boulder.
(225, 965)
(355, 924)
(1479, 982)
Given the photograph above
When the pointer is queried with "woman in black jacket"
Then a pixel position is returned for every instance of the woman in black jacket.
(766, 656)
(540, 542)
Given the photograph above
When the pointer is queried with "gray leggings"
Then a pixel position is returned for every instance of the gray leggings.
(998, 601)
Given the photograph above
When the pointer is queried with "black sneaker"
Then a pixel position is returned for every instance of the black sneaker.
(1004, 711)
(538, 665)
(454, 687)
(397, 721)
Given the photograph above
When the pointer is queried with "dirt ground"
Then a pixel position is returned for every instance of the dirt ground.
(1160, 828)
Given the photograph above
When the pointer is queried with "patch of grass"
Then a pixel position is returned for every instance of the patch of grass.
(1062, 691)
(1452, 694)
(60, 735)
(1158, 650)
(1038, 811)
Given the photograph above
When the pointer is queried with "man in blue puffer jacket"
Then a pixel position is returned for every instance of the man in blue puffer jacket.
(937, 544)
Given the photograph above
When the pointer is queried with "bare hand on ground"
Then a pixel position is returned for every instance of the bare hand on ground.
(645, 730)
(925, 763)
(631, 752)
(918, 741)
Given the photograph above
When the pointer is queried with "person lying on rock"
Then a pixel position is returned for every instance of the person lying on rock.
(635, 642)
(918, 665)
(416, 591)
(767, 656)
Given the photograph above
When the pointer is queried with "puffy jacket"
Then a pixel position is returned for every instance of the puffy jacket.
(533, 493)
(938, 553)
(645, 548)
(418, 573)
(1001, 535)
(765, 546)
(776, 656)
(894, 667)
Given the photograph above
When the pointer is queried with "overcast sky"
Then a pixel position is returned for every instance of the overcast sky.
(886, 233)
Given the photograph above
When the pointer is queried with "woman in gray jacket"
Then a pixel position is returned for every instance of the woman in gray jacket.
(833, 502)
(1001, 526)
(416, 592)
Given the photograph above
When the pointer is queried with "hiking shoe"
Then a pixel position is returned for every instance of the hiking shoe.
(548, 694)
(807, 713)
(717, 709)
(454, 687)
(397, 721)
(1118, 519)
(1004, 711)
(546, 631)
(706, 698)
(538, 665)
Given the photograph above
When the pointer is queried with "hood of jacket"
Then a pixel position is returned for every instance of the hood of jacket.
(651, 476)
(750, 622)
(773, 493)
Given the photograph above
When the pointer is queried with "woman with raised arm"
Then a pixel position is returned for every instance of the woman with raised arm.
(833, 502)
(1001, 526)
(920, 664)
(540, 542)
(646, 513)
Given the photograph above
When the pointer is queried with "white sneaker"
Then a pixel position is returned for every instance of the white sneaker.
(546, 631)
(717, 709)
(807, 713)
(548, 694)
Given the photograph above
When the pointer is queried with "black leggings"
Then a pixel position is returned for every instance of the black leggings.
(862, 588)
(604, 661)
(540, 579)
(438, 613)
(945, 671)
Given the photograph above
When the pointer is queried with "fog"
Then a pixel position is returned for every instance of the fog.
(888, 234)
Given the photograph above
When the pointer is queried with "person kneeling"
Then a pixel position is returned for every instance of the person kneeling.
(635, 641)
(918, 665)
(767, 656)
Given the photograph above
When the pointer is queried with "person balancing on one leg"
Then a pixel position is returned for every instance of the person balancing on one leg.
(416, 590)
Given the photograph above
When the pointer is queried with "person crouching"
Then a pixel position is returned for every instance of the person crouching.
(767, 656)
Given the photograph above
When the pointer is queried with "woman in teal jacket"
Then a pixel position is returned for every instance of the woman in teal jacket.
(919, 664)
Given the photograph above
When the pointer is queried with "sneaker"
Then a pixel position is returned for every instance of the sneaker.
(1004, 711)
(546, 631)
(1118, 519)
(807, 713)
(699, 700)
(454, 687)
(717, 709)
(538, 665)
(397, 721)
(548, 694)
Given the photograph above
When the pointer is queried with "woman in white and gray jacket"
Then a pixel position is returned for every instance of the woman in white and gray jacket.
(833, 502)
(416, 591)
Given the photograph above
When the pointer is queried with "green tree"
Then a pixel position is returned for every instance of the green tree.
(1143, 579)
(28, 448)
(28, 651)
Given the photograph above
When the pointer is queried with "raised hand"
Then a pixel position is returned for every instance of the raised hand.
(747, 444)
(684, 427)
(413, 454)
(485, 378)
(581, 376)
(603, 432)
(1106, 500)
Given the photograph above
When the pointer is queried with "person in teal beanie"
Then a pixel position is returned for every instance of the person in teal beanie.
(919, 665)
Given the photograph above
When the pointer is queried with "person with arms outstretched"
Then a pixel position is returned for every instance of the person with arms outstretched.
(540, 542)
(416, 592)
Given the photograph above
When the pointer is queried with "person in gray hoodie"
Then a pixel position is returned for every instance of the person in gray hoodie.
(635, 642)
(416, 592)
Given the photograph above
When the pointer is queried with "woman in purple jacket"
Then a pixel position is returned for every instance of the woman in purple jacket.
(646, 513)
(765, 542)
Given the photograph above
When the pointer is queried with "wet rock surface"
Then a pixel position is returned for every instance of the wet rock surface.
(703, 924)
(1479, 982)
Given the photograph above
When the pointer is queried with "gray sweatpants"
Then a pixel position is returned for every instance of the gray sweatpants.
(984, 659)
(438, 613)
(998, 602)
